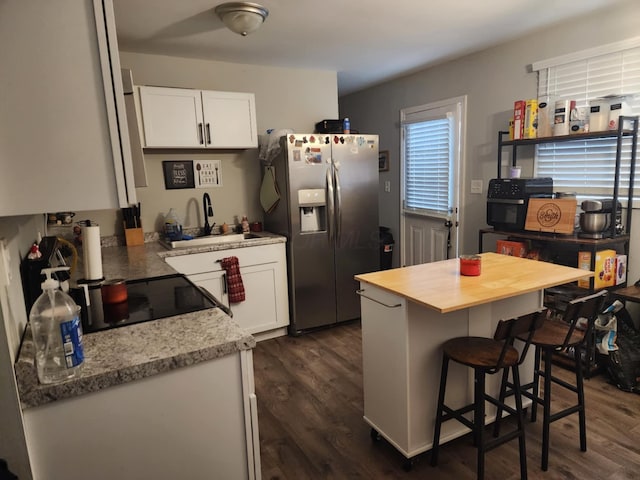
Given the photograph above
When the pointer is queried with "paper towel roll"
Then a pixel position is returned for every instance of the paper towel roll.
(92, 253)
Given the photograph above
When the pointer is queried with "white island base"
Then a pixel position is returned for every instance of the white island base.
(402, 358)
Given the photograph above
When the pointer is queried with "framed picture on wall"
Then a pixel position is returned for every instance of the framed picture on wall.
(178, 174)
(383, 161)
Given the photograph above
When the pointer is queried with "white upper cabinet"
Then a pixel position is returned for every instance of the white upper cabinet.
(230, 119)
(61, 140)
(185, 118)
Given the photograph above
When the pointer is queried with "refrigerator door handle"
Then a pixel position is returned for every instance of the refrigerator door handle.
(331, 208)
(338, 207)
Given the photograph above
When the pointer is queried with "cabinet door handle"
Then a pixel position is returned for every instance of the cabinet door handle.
(224, 283)
(200, 134)
(208, 134)
(361, 293)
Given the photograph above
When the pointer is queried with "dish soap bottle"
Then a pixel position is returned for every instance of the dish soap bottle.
(172, 226)
(57, 332)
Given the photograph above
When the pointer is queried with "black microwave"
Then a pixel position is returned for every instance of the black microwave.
(508, 200)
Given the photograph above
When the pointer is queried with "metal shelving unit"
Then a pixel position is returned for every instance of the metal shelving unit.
(614, 238)
(620, 134)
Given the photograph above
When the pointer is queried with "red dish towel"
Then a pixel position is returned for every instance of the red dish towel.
(234, 279)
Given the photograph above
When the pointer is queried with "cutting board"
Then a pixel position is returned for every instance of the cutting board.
(555, 215)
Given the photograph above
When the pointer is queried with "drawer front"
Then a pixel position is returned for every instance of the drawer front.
(192, 263)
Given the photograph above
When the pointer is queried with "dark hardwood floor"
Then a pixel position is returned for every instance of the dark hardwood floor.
(310, 410)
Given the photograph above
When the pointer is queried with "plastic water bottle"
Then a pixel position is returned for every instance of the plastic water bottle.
(57, 332)
(346, 125)
(172, 226)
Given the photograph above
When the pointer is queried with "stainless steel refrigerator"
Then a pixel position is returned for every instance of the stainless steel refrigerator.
(328, 210)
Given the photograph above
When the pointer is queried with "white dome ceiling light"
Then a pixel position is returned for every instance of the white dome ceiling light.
(242, 17)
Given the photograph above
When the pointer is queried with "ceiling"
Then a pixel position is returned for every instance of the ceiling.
(365, 41)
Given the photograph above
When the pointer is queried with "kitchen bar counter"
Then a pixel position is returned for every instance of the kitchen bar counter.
(407, 314)
(121, 355)
(440, 286)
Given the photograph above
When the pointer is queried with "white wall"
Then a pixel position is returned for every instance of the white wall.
(492, 79)
(285, 98)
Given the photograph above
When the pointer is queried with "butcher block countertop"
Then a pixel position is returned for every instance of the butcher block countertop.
(440, 286)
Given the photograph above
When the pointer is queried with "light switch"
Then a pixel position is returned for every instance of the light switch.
(387, 186)
(476, 186)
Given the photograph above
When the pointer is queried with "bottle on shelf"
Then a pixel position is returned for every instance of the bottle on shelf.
(245, 224)
(57, 332)
(346, 125)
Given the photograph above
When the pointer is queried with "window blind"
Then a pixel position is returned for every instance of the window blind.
(428, 163)
(588, 166)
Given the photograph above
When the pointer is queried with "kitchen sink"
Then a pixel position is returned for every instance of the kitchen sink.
(211, 240)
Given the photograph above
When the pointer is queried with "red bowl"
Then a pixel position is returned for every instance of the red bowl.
(470, 265)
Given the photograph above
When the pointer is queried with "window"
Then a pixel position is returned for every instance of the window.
(430, 150)
(587, 166)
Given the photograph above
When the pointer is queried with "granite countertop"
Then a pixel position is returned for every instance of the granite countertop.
(121, 355)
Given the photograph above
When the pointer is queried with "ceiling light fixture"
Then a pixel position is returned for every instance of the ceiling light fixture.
(242, 17)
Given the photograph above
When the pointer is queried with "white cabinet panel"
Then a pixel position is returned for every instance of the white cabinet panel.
(193, 423)
(172, 117)
(264, 277)
(229, 119)
(185, 118)
(59, 128)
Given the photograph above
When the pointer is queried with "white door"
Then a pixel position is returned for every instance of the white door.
(432, 152)
(230, 119)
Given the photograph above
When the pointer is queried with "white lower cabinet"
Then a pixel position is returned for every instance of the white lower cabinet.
(264, 277)
(198, 423)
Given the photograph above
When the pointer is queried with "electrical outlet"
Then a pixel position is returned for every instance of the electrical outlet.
(476, 186)
(387, 186)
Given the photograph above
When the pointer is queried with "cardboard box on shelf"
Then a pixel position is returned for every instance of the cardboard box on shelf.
(584, 262)
(530, 128)
(605, 269)
(519, 107)
(621, 269)
(514, 249)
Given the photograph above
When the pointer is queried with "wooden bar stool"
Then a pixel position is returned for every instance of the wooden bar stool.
(556, 336)
(487, 356)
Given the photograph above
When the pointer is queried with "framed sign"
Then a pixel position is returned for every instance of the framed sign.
(178, 174)
(383, 161)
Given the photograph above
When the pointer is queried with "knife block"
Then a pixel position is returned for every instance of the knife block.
(133, 236)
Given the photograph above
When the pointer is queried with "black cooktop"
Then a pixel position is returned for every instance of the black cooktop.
(148, 299)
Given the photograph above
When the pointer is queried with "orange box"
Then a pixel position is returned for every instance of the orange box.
(519, 107)
(513, 249)
(605, 269)
(584, 262)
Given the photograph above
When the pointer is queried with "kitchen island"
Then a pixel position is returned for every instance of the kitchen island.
(407, 313)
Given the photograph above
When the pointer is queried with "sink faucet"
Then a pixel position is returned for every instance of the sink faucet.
(208, 212)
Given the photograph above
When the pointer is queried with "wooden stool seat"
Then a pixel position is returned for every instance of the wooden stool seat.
(553, 333)
(479, 352)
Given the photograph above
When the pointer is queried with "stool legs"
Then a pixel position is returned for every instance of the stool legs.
(438, 425)
(445, 413)
(545, 371)
(580, 391)
(478, 419)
